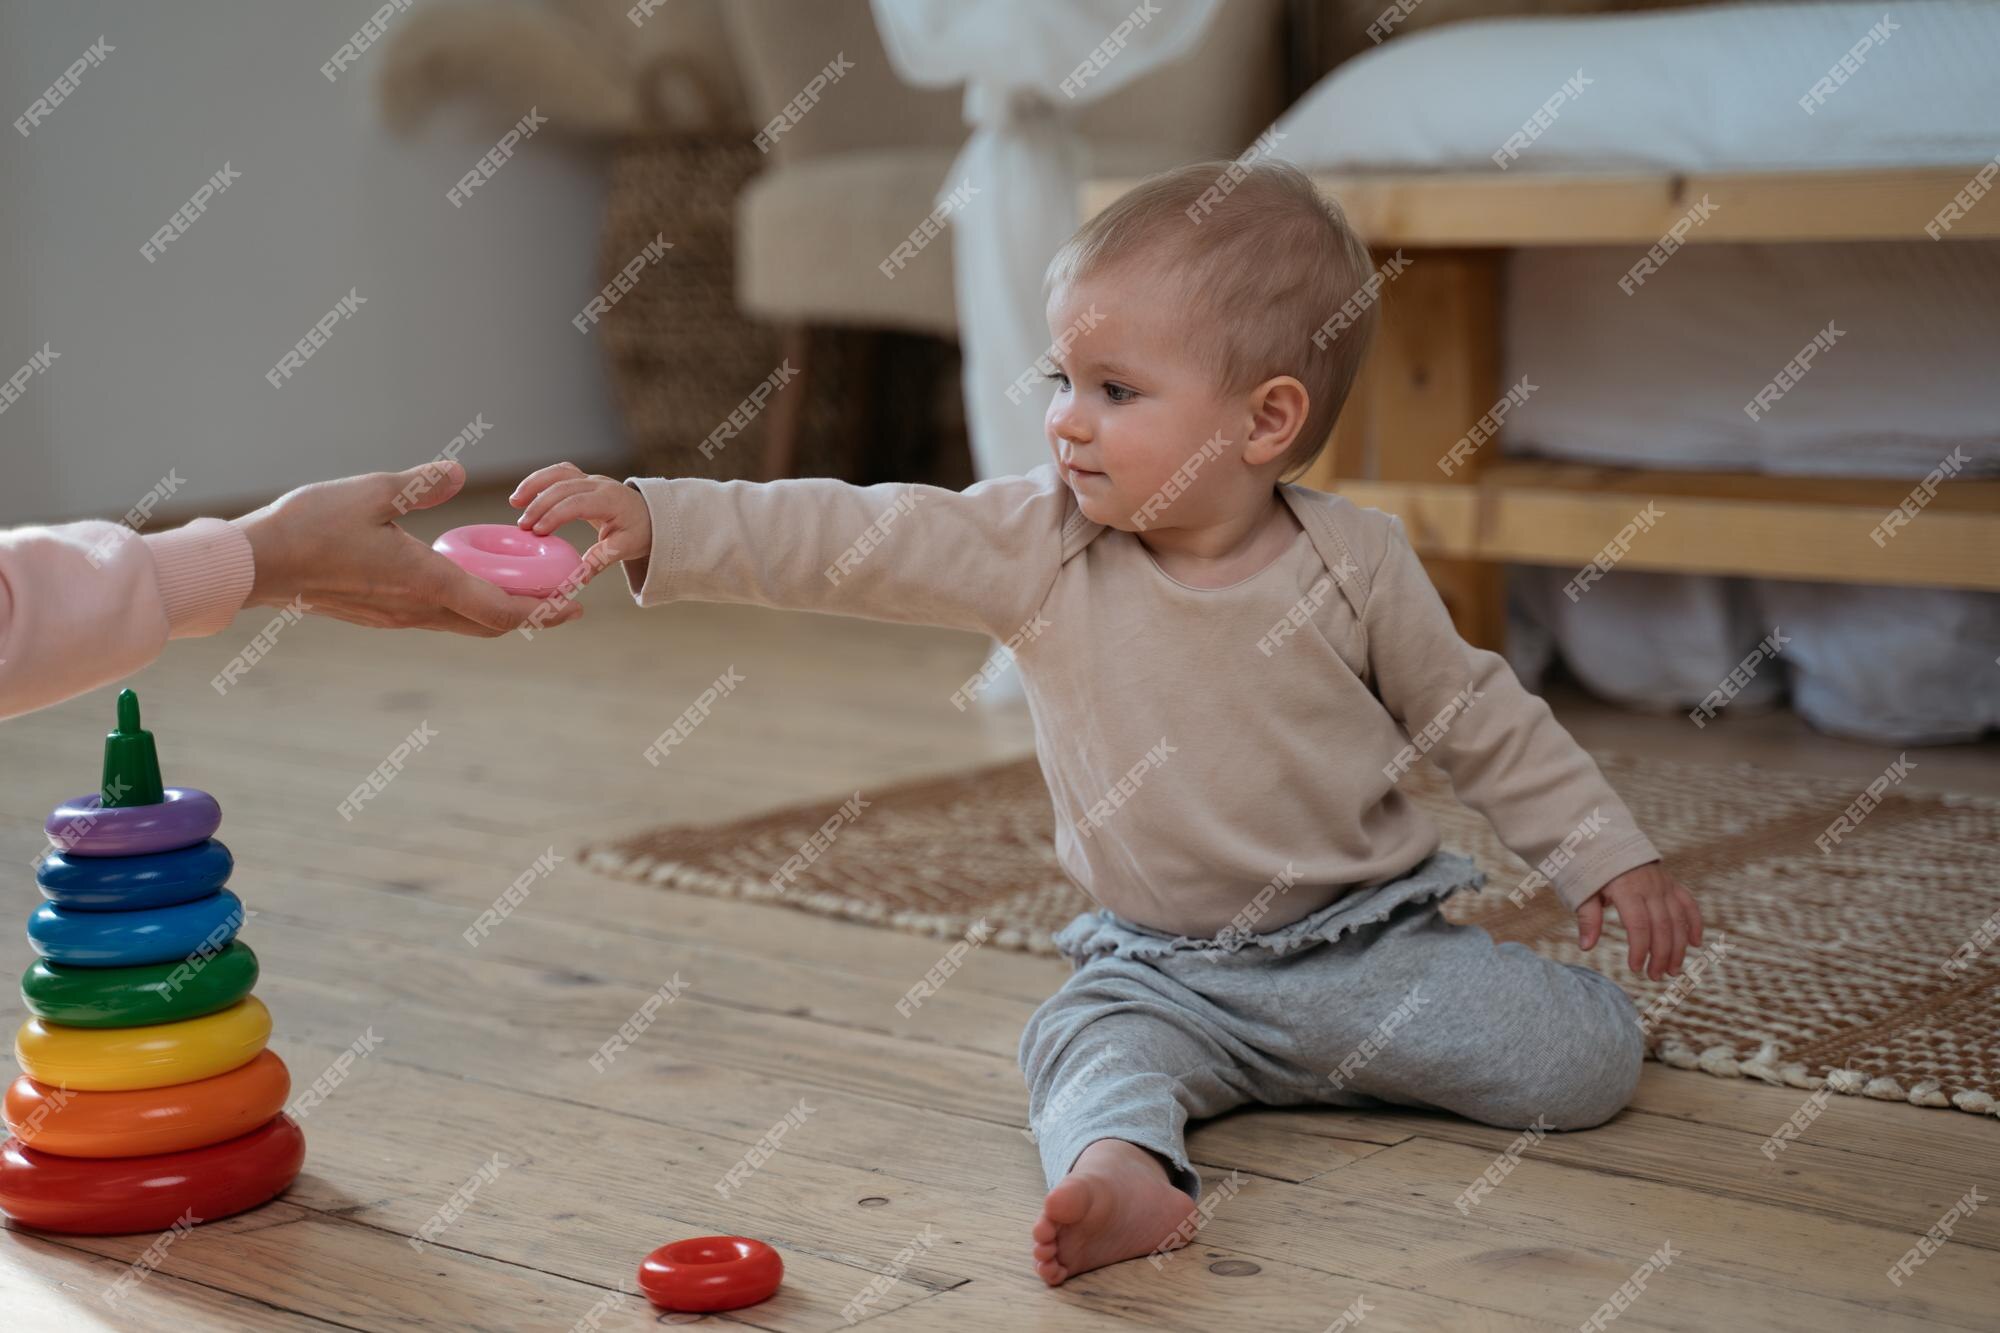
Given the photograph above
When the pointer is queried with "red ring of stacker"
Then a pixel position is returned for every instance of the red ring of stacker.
(707, 1273)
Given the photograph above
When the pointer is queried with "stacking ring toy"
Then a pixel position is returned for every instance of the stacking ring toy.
(123, 1195)
(514, 560)
(133, 883)
(119, 1059)
(131, 997)
(134, 939)
(85, 827)
(149, 1120)
(709, 1273)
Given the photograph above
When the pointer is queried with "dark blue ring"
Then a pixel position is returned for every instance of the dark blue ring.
(133, 883)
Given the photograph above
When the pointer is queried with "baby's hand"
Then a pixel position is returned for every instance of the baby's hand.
(1659, 915)
(560, 494)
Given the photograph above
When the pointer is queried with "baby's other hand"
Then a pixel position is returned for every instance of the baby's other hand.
(563, 493)
(1659, 915)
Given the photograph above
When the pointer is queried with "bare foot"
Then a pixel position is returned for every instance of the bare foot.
(1115, 1203)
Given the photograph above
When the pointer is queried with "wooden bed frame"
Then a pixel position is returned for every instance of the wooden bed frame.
(1435, 371)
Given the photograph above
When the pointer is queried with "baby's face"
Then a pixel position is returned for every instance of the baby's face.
(1132, 406)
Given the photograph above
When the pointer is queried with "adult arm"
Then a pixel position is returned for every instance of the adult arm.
(84, 604)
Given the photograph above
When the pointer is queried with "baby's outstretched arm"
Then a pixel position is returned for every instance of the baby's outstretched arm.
(979, 559)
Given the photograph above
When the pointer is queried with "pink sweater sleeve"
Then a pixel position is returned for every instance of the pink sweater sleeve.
(83, 604)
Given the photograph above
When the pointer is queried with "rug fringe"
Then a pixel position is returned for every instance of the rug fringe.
(1723, 1062)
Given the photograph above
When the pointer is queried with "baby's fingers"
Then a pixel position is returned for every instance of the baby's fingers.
(553, 494)
(1680, 924)
(551, 511)
(1638, 934)
(1589, 922)
(1665, 950)
(541, 479)
(1691, 911)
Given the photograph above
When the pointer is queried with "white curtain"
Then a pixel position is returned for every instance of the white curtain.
(1027, 66)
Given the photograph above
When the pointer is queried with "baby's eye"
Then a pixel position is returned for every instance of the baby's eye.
(1061, 380)
(1118, 393)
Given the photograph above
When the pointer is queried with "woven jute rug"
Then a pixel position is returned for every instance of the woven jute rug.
(1870, 969)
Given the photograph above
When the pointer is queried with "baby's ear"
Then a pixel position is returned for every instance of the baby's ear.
(1278, 410)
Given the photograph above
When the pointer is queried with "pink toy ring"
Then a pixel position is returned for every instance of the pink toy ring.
(83, 827)
(513, 560)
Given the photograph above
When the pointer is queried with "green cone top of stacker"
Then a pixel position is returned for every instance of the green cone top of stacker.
(131, 764)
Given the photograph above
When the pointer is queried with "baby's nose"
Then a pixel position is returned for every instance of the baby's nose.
(1066, 423)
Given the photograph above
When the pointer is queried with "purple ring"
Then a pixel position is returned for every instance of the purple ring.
(83, 827)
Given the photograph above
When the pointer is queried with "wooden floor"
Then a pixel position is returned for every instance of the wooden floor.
(909, 1135)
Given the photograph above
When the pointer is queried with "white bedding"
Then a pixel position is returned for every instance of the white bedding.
(1660, 376)
(1715, 89)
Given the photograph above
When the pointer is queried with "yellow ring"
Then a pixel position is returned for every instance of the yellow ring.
(155, 1056)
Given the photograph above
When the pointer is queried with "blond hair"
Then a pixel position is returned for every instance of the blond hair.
(1263, 265)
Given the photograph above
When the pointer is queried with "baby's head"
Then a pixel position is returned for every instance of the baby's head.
(1189, 380)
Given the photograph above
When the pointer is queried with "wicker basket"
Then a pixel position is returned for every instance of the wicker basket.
(877, 406)
(681, 356)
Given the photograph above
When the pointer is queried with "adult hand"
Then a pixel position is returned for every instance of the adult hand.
(336, 545)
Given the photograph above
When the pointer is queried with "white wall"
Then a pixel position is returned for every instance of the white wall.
(161, 365)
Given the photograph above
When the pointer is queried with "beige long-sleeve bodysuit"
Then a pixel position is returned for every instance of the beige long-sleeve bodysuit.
(1199, 744)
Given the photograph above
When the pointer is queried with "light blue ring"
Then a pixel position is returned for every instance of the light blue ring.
(133, 939)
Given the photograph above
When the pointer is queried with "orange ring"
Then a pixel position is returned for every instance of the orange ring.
(145, 1121)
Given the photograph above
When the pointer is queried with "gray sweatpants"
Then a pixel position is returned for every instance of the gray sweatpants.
(1374, 1000)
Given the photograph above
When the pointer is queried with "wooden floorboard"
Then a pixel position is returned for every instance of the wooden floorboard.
(915, 1124)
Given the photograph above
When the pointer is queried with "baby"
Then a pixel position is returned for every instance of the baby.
(1228, 677)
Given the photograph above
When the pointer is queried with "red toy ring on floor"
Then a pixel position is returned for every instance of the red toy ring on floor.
(708, 1273)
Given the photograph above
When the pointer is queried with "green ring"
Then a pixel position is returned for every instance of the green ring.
(130, 997)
